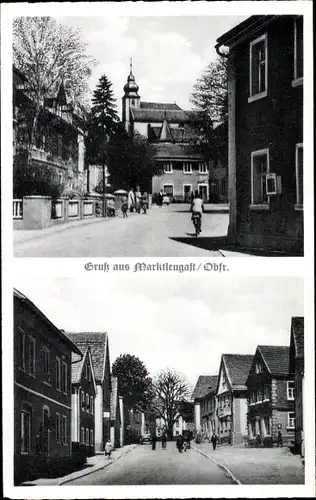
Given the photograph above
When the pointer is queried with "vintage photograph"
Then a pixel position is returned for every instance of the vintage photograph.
(165, 136)
(133, 382)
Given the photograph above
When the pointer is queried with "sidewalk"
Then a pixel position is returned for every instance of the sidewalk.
(95, 463)
(257, 466)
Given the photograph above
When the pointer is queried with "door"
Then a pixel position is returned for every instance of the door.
(203, 191)
(187, 190)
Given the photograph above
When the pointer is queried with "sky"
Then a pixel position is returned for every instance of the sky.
(168, 53)
(183, 323)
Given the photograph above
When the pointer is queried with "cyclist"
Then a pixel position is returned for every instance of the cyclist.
(197, 206)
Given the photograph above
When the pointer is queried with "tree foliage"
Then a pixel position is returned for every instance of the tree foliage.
(131, 160)
(171, 389)
(210, 91)
(134, 382)
(101, 122)
(49, 53)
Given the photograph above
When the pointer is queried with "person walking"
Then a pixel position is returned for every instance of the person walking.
(138, 197)
(280, 441)
(153, 441)
(108, 449)
(131, 200)
(124, 208)
(164, 441)
(180, 443)
(160, 198)
(214, 440)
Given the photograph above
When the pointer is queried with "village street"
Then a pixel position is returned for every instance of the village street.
(143, 466)
(162, 232)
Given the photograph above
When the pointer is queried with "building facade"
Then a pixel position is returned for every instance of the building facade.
(99, 348)
(115, 415)
(58, 136)
(296, 369)
(232, 399)
(42, 389)
(84, 392)
(204, 395)
(270, 394)
(173, 132)
(265, 93)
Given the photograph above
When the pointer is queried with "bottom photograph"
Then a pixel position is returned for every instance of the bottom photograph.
(142, 381)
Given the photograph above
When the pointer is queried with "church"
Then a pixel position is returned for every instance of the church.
(173, 131)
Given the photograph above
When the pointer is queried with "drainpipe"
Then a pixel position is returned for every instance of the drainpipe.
(232, 192)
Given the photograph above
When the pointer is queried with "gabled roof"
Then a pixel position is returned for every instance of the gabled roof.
(98, 345)
(169, 151)
(114, 398)
(158, 115)
(297, 332)
(276, 358)
(237, 369)
(59, 333)
(77, 368)
(177, 134)
(205, 384)
(159, 105)
(166, 132)
(243, 30)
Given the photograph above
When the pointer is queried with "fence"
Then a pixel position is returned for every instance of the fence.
(17, 209)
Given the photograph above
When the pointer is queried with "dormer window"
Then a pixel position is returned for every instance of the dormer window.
(259, 367)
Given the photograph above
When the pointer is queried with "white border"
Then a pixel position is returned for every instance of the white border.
(65, 267)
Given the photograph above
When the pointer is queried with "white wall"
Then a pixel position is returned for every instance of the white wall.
(98, 419)
(74, 417)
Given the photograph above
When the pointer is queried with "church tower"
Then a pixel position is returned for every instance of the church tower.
(131, 99)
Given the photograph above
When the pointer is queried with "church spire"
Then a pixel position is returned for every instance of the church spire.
(131, 66)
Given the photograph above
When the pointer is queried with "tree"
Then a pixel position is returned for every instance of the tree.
(210, 91)
(102, 122)
(131, 160)
(134, 382)
(171, 389)
(48, 53)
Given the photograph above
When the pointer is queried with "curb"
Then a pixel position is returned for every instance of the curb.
(82, 473)
(221, 466)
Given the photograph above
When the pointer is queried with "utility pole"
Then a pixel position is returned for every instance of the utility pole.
(103, 176)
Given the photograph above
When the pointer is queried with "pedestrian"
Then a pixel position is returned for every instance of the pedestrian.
(164, 441)
(214, 440)
(279, 442)
(144, 202)
(124, 207)
(138, 196)
(131, 200)
(258, 440)
(153, 441)
(108, 449)
(180, 443)
(160, 198)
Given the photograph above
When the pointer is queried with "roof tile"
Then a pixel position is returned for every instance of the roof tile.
(97, 342)
(297, 329)
(205, 384)
(276, 358)
(238, 366)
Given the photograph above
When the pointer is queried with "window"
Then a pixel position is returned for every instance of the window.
(259, 169)
(91, 405)
(290, 390)
(26, 430)
(187, 168)
(168, 167)
(259, 395)
(258, 83)
(64, 430)
(168, 189)
(46, 430)
(203, 168)
(266, 393)
(252, 397)
(83, 403)
(87, 403)
(21, 349)
(31, 364)
(82, 435)
(46, 364)
(298, 51)
(91, 438)
(259, 367)
(291, 419)
(177, 423)
(64, 377)
(58, 428)
(87, 436)
(299, 175)
(89, 373)
(58, 373)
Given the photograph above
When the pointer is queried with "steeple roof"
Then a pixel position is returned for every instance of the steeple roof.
(131, 88)
(165, 132)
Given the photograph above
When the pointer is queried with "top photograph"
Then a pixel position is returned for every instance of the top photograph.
(158, 136)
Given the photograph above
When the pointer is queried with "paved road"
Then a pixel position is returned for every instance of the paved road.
(162, 232)
(143, 466)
